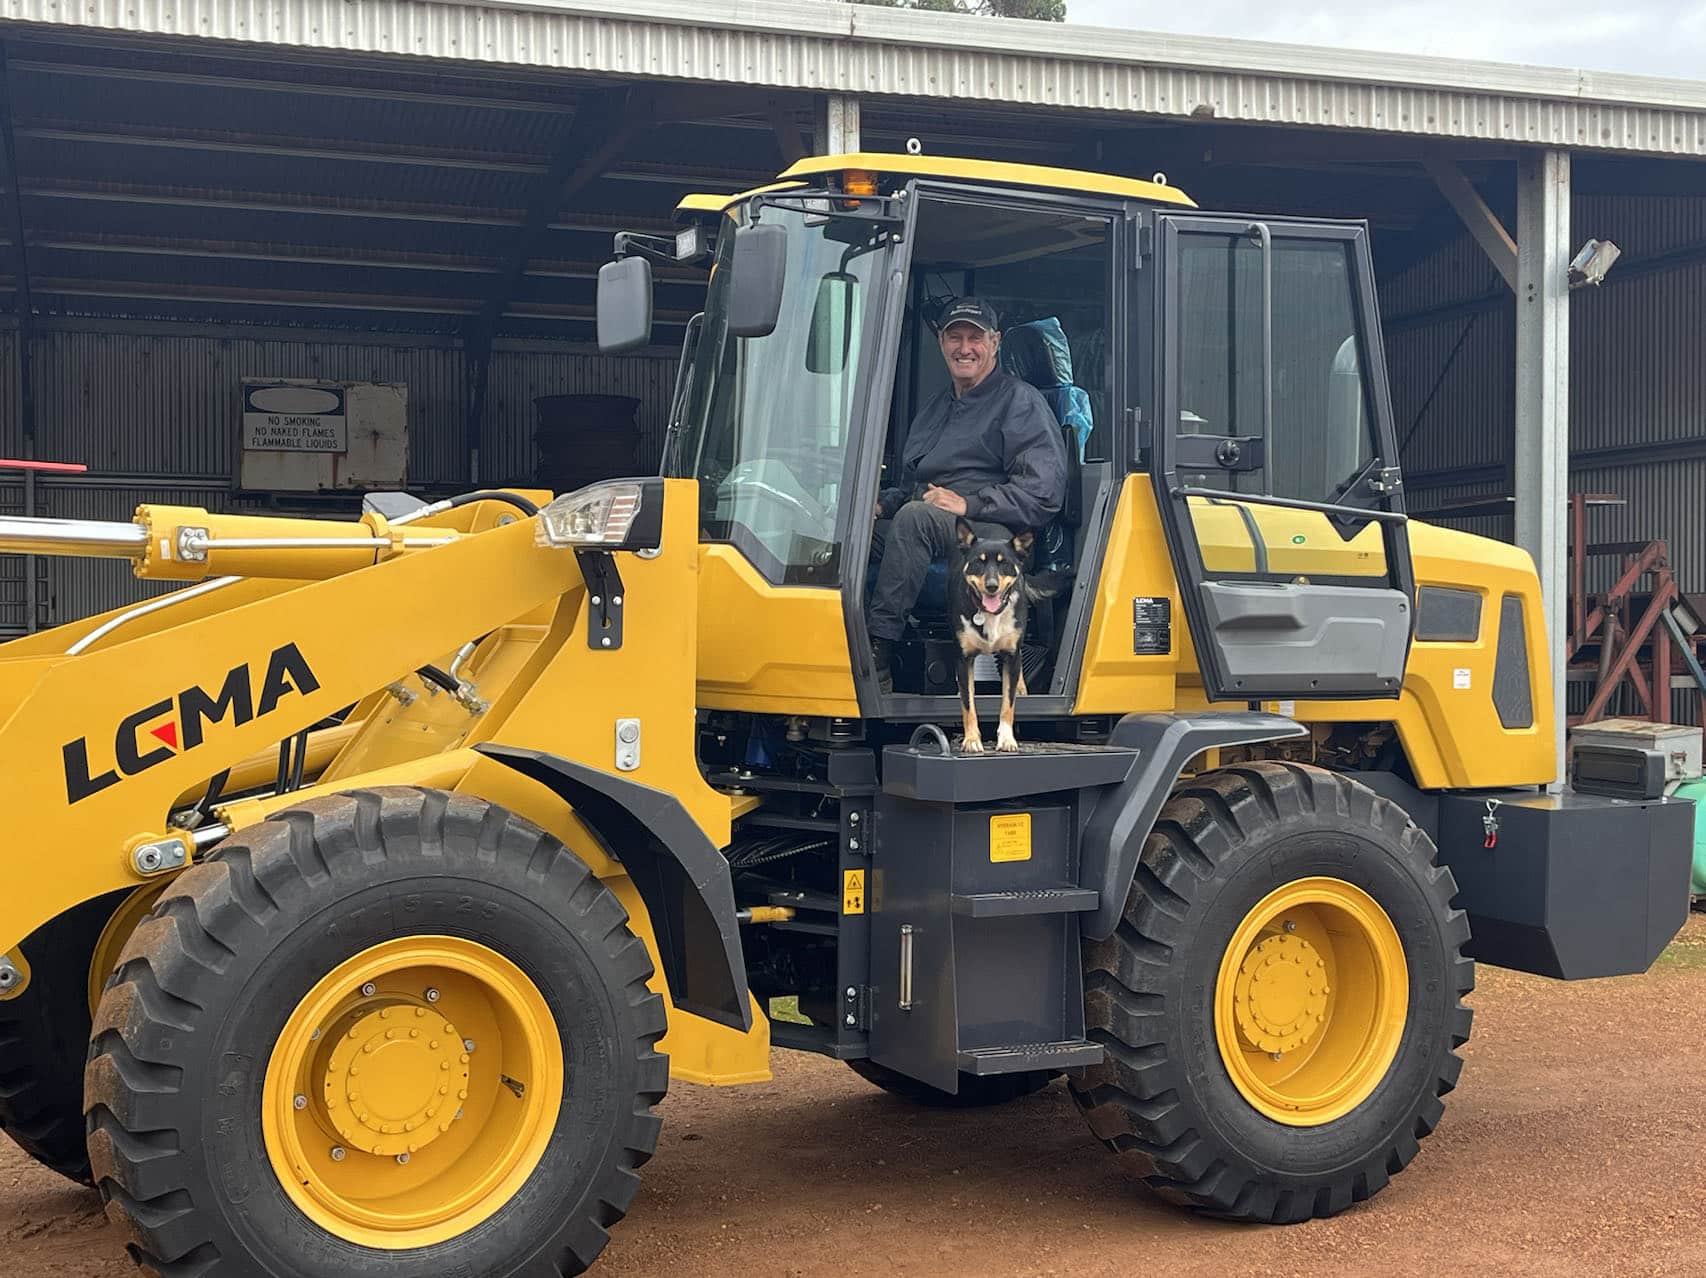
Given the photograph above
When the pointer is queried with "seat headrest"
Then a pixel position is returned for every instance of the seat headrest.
(1038, 352)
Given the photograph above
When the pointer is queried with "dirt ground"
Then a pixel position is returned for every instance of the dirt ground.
(1575, 1144)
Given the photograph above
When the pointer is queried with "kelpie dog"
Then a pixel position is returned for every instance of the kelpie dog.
(989, 605)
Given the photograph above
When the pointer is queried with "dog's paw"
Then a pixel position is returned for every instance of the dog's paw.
(972, 745)
(1005, 741)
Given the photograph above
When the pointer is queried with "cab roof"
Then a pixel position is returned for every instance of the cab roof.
(995, 172)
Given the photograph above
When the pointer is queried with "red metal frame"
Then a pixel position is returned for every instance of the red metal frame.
(61, 468)
(1622, 624)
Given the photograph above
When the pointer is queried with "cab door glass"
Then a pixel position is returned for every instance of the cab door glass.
(1313, 441)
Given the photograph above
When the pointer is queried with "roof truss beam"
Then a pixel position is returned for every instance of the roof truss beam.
(1482, 222)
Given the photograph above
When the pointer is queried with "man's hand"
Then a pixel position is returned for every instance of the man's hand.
(946, 499)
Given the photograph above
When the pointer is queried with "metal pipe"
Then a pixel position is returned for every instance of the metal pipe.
(462, 655)
(207, 835)
(437, 507)
(905, 999)
(32, 591)
(24, 533)
(1265, 239)
(765, 914)
(143, 609)
(1295, 503)
(200, 545)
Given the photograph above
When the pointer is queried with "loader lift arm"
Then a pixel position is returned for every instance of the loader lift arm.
(98, 746)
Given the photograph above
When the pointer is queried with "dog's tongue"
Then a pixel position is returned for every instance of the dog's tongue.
(992, 603)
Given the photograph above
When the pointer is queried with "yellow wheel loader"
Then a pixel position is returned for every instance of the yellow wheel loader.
(389, 872)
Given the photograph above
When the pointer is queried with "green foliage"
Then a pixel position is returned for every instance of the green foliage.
(1038, 10)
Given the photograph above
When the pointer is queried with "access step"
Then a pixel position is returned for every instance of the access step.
(928, 775)
(1020, 1057)
(995, 905)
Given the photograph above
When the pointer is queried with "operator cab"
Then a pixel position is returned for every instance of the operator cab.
(1232, 364)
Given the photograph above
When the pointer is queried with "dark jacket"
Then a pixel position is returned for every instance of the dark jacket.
(998, 446)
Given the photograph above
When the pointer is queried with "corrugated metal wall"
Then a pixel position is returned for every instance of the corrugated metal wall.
(12, 567)
(1637, 384)
(519, 377)
(155, 416)
(1453, 375)
(1638, 377)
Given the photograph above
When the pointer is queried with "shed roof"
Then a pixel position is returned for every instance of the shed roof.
(276, 174)
(875, 51)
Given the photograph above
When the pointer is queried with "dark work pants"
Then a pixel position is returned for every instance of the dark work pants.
(903, 549)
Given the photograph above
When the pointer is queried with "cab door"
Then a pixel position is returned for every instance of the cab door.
(1274, 458)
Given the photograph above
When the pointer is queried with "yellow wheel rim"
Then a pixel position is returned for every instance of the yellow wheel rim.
(412, 1092)
(110, 944)
(1310, 1002)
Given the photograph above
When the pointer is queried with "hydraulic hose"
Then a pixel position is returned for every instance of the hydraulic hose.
(435, 675)
(521, 503)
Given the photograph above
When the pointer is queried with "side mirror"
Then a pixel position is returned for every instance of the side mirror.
(834, 317)
(758, 267)
(624, 304)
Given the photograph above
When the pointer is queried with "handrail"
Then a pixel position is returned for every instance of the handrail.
(1294, 503)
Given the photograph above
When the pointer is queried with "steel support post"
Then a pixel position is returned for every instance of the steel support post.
(1543, 393)
(835, 125)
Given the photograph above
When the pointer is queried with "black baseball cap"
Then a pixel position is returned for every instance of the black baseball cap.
(970, 310)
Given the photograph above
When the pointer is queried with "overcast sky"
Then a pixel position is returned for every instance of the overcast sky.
(1649, 37)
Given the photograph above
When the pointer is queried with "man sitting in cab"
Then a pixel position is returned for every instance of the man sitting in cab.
(986, 447)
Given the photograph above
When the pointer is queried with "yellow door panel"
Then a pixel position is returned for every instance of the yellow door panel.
(1236, 537)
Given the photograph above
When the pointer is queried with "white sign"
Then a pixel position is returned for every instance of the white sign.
(1460, 677)
(294, 419)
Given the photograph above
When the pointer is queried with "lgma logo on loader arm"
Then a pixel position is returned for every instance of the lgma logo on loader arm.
(287, 672)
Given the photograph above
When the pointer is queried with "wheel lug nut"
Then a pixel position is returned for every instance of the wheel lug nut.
(431, 995)
(337, 1153)
(1290, 926)
(467, 1044)
(402, 1158)
(369, 989)
(301, 1102)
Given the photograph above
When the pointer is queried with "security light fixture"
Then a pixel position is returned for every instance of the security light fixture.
(1591, 265)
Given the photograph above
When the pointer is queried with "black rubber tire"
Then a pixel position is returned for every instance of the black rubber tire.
(976, 1090)
(1162, 1098)
(44, 1040)
(182, 1034)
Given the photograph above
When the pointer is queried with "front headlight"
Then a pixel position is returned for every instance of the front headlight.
(617, 514)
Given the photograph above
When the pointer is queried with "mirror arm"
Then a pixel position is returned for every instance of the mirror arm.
(658, 248)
